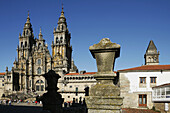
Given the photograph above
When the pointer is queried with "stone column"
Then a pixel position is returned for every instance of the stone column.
(104, 97)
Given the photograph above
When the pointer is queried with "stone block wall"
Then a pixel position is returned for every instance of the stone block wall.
(161, 107)
(131, 99)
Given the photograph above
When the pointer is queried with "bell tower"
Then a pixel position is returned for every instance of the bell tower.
(152, 55)
(26, 41)
(61, 48)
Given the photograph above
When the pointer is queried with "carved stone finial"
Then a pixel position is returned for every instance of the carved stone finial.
(105, 53)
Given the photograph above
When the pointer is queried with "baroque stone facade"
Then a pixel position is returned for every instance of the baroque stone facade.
(34, 60)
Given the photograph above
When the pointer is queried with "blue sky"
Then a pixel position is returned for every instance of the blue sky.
(130, 23)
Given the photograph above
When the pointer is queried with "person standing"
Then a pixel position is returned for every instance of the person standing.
(9, 102)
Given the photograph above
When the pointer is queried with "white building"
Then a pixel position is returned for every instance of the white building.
(136, 83)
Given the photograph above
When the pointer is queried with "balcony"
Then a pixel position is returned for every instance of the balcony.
(161, 93)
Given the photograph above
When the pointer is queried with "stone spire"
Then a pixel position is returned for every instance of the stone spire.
(62, 12)
(152, 55)
(28, 31)
(28, 18)
(40, 35)
(61, 48)
(62, 19)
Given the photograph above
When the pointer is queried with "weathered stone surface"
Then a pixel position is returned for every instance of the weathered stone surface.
(104, 90)
(105, 53)
(104, 97)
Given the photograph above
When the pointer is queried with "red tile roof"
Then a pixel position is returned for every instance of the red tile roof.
(148, 67)
(2, 73)
(168, 84)
(132, 110)
(87, 73)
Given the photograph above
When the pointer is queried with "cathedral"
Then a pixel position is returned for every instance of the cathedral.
(34, 59)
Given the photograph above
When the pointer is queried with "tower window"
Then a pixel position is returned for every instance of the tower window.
(58, 27)
(25, 44)
(61, 39)
(27, 32)
(149, 59)
(56, 39)
(39, 44)
(39, 70)
(155, 59)
(21, 44)
(62, 27)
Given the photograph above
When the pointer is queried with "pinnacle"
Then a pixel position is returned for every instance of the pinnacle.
(28, 18)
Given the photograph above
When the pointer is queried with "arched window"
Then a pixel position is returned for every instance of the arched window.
(149, 59)
(21, 44)
(26, 32)
(58, 27)
(39, 70)
(152, 59)
(39, 44)
(155, 59)
(61, 39)
(62, 27)
(39, 61)
(25, 44)
(56, 39)
(41, 81)
(39, 85)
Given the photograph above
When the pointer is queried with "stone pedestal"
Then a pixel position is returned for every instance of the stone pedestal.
(104, 97)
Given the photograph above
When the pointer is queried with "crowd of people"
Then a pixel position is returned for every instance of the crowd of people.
(9, 102)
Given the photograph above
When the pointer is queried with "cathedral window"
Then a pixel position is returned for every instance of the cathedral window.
(39, 70)
(39, 85)
(62, 27)
(58, 27)
(61, 39)
(155, 59)
(21, 44)
(149, 59)
(39, 61)
(37, 88)
(42, 87)
(30, 83)
(152, 59)
(56, 39)
(27, 32)
(25, 44)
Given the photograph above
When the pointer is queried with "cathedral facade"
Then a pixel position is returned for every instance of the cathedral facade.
(34, 59)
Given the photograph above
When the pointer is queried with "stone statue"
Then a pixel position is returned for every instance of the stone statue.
(52, 101)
